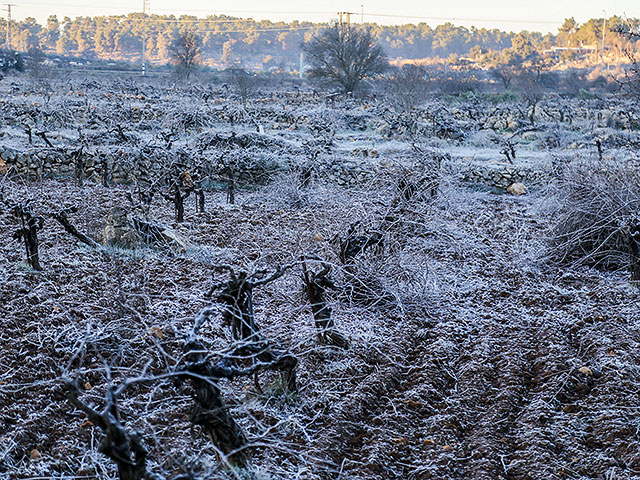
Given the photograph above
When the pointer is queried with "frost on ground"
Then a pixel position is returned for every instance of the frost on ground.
(472, 354)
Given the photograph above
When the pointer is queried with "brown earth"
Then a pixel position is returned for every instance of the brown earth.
(488, 363)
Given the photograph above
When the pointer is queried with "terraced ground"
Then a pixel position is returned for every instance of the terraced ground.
(473, 355)
(488, 363)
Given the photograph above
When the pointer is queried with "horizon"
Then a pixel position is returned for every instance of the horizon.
(500, 14)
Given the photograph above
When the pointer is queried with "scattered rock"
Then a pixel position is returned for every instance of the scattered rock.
(586, 371)
(119, 230)
(156, 331)
(517, 188)
(174, 239)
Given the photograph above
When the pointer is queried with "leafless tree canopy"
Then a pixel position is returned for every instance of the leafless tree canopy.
(243, 81)
(408, 87)
(630, 81)
(344, 55)
(185, 53)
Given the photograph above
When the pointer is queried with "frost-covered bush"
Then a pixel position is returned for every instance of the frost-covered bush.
(598, 209)
(419, 181)
(291, 189)
(11, 60)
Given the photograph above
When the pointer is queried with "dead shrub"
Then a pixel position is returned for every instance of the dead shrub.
(597, 218)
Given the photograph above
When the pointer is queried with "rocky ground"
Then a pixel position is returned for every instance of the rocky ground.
(474, 356)
(488, 363)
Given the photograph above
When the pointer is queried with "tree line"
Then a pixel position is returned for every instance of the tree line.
(268, 44)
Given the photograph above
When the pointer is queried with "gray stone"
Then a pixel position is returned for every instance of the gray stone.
(119, 230)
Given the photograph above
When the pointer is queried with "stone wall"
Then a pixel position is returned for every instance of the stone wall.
(353, 172)
(123, 166)
(501, 176)
(128, 166)
(37, 162)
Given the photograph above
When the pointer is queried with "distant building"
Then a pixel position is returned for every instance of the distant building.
(556, 52)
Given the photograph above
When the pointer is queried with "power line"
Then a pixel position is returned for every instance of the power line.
(70, 5)
(205, 20)
(462, 19)
(172, 20)
(293, 29)
(208, 10)
(342, 23)
(204, 29)
(270, 12)
(303, 12)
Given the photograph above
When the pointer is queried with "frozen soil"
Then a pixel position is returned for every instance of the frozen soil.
(488, 363)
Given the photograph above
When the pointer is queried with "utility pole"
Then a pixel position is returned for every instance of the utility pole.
(362, 14)
(8, 39)
(346, 23)
(301, 64)
(145, 4)
(604, 29)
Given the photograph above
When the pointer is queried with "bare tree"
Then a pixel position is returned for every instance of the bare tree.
(316, 285)
(124, 448)
(37, 67)
(630, 82)
(236, 295)
(185, 53)
(181, 187)
(243, 81)
(408, 88)
(504, 73)
(531, 92)
(28, 232)
(344, 55)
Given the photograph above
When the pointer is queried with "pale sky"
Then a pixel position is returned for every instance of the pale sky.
(540, 15)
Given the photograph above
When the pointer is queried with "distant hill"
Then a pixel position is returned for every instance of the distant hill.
(269, 45)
